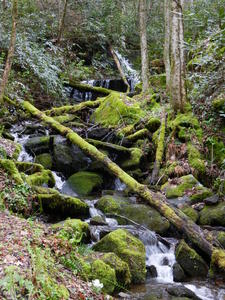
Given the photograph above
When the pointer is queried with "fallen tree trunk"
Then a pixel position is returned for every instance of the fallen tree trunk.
(88, 88)
(192, 231)
(71, 109)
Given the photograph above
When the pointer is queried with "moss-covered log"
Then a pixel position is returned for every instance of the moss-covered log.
(137, 135)
(88, 88)
(192, 231)
(71, 109)
(160, 150)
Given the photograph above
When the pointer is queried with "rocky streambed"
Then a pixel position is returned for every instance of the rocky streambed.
(141, 243)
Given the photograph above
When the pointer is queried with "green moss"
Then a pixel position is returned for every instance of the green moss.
(219, 103)
(213, 215)
(108, 204)
(128, 248)
(29, 167)
(134, 160)
(158, 81)
(10, 168)
(40, 178)
(217, 148)
(121, 268)
(153, 124)
(201, 193)
(218, 260)
(83, 183)
(45, 160)
(190, 261)
(38, 144)
(105, 274)
(194, 159)
(138, 135)
(186, 182)
(221, 238)
(116, 109)
(191, 213)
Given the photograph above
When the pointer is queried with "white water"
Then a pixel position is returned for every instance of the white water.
(119, 185)
(128, 70)
(206, 293)
(59, 181)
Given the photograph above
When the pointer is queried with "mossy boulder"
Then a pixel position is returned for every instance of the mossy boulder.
(44, 159)
(73, 230)
(115, 109)
(153, 124)
(28, 168)
(41, 178)
(10, 168)
(83, 183)
(38, 145)
(192, 263)
(63, 206)
(128, 248)
(191, 213)
(213, 215)
(134, 160)
(69, 159)
(195, 161)
(106, 275)
(139, 213)
(186, 184)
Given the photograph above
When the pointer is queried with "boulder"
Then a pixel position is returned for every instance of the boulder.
(44, 177)
(178, 273)
(192, 263)
(182, 291)
(82, 183)
(213, 215)
(97, 220)
(128, 248)
(38, 145)
(44, 159)
(139, 213)
(212, 200)
(191, 213)
(153, 124)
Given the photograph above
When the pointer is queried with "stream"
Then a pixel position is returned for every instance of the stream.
(160, 252)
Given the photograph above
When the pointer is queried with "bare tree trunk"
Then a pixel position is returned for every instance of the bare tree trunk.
(144, 44)
(167, 16)
(177, 86)
(62, 21)
(119, 68)
(4, 4)
(11, 50)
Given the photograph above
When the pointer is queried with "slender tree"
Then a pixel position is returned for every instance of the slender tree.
(11, 51)
(144, 45)
(167, 16)
(4, 4)
(177, 76)
(62, 22)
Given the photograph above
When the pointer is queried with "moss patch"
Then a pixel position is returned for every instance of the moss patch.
(128, 248)
(191, 213)
(10, 168)
(213, 215)
(195, 160)
(40, 178)
(45, 160)
(153, 124)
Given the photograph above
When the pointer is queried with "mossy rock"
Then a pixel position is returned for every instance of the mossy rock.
(106, 275)
(200, 193)
(29, 168)
(153, 124)
(213, 215)
(83, 183)
(190, 261)
(10, 168)
(219, 103)
(73, 229)
(221, 238)
(45, 160)
(128, 248)
(134, 160)
(191, 213)
(121, 268)
(41, 178)
(11, 149)
(217, 265)
(116, 109)
(194, 159)
(61, 205)
(184, 120)
(139, 213)
(38, 145)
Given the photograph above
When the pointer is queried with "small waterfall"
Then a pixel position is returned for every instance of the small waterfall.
(59, 181)
(131, 74)
(119, 185)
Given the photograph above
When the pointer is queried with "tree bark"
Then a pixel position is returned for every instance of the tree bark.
(177, 85)
(167, 17)
(11, 50)
(62, 22)
(144, 44)
(184, 224)
(4, 5)
(119, 68)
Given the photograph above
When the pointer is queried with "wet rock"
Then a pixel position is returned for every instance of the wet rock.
(182, 291)
(39, 145)
(128, 248)
(139, 213)
(199, 206)
(124, 295)
(98, 220)
(212, 200)
(190, 261)
(82, 183)
(213, 215)
(152, 272)
(44, 159)
(178, 273)
(165, 261)
(191, 213)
